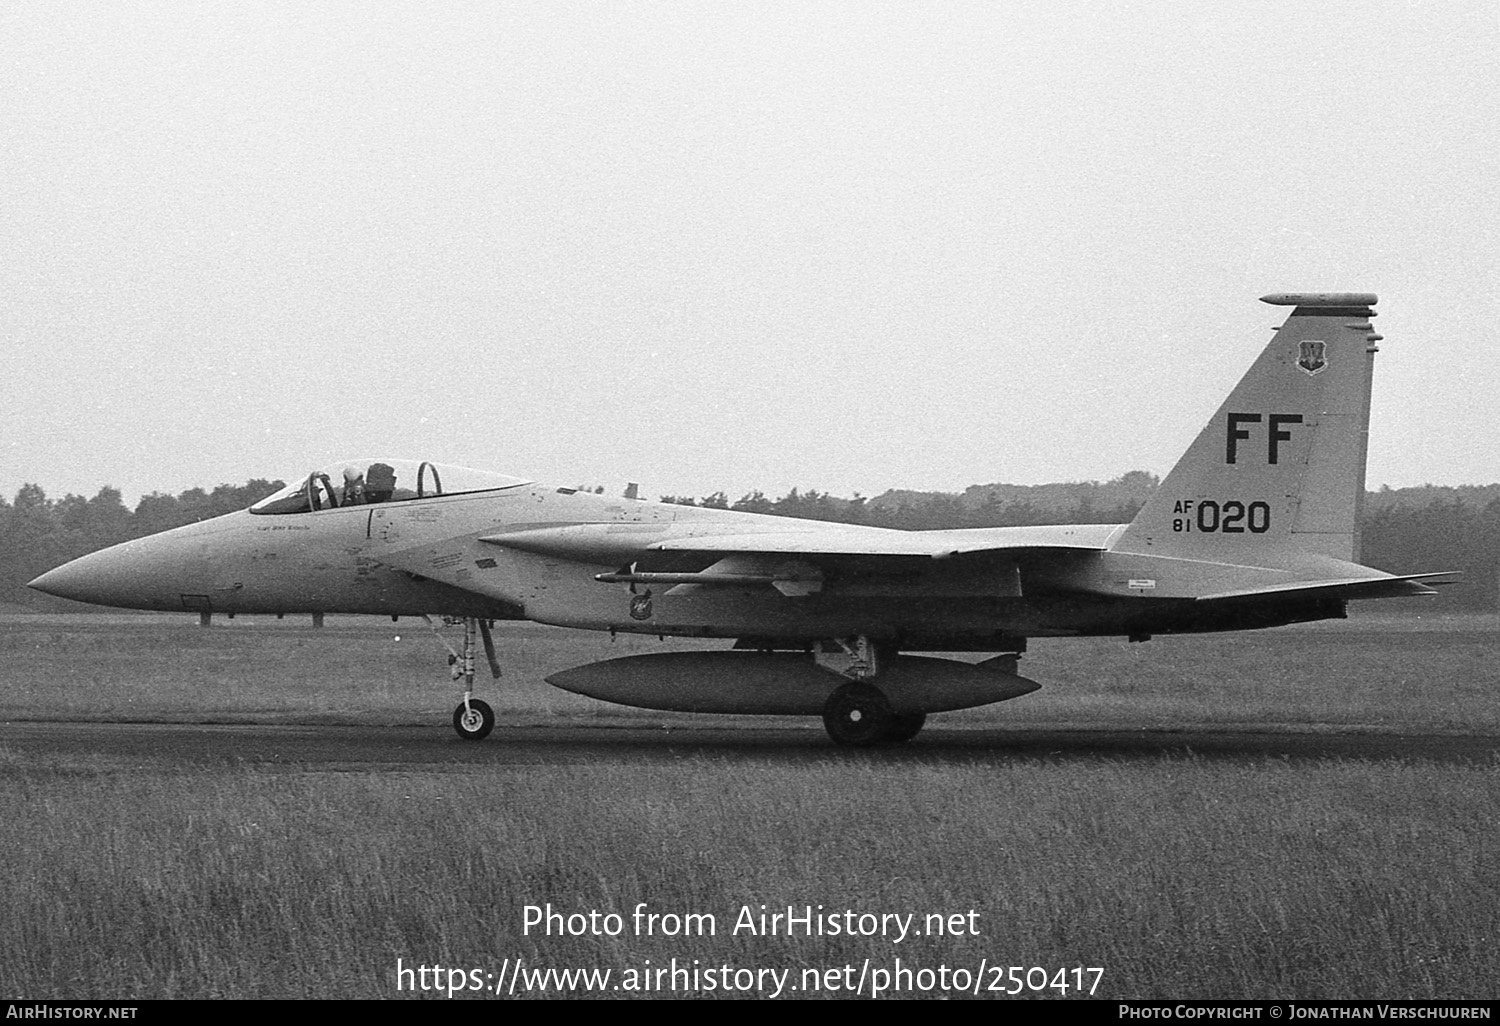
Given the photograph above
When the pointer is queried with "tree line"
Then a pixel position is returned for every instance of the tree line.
(1407, 530)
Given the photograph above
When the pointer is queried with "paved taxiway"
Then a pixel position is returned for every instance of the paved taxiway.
(340, 747)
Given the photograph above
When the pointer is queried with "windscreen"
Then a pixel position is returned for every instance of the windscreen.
(365, 482)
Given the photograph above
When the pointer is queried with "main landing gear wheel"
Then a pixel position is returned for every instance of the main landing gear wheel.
(905, 726)
(473, 720)
(857, 715)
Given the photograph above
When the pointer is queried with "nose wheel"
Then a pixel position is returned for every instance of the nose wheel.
(473, 719)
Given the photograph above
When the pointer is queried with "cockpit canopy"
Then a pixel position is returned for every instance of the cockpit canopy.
(369, 481)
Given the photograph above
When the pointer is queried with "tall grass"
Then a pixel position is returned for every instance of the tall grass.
(1181, 877)
(1184, 878)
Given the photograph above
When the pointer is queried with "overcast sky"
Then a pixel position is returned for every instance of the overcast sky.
(844, 246)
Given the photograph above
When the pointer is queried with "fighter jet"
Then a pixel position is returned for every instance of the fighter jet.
(1256, 526)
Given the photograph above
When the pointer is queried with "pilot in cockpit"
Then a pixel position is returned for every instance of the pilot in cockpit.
(380, 482)
(354, 487)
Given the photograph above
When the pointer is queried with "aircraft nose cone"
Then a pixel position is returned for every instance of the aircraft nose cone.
(61, 581)
(142, 574)
(171, 571)
(97, 577)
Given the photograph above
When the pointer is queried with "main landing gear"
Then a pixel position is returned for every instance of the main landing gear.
(473, 719)
(858, 714)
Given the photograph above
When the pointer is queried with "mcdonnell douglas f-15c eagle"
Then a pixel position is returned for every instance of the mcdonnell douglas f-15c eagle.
(1256, 526)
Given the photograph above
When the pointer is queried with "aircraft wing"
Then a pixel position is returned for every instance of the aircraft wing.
(587, 543)
(931, 544)
(794, 560)
(798, 560)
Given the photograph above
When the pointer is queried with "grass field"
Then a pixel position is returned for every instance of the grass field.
(1180, 875)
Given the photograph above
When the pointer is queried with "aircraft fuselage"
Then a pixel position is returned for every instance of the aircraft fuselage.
(430, 556)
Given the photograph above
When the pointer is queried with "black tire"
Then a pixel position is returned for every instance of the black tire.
(857, 715)
(905, 726)
(475, 722)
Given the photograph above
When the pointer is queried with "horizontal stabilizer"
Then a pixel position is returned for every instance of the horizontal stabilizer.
(1349, 588)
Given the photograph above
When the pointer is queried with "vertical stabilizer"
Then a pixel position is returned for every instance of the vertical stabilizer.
(1280, 469)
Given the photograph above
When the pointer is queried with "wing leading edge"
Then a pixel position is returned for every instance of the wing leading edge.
(930, 544)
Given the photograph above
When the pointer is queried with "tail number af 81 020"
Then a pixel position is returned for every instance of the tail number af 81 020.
(1230, 517)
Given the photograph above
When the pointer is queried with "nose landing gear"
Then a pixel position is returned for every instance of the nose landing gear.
(473, 719)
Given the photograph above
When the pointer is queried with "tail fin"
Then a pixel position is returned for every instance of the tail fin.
(1280, 469)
